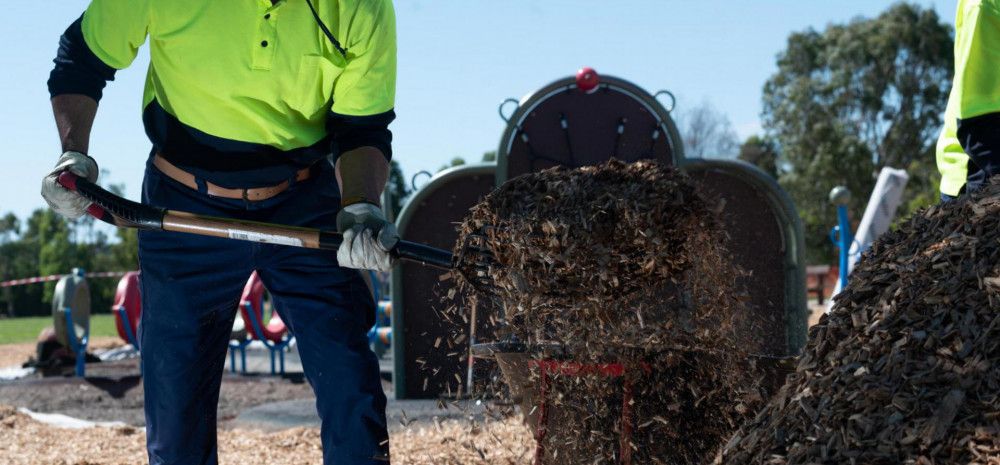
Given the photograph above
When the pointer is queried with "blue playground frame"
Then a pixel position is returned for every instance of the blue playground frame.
(277, 349)
(79, 347)
(129, 335)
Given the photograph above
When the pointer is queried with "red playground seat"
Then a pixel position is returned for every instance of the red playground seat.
(252, 310)
(128, 308)
(273, 333)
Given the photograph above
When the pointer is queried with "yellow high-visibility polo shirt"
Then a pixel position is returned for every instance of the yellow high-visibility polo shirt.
(976, 87)
(244, 86)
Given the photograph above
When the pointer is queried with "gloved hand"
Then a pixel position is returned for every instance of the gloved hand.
(64, 201)
(368, 237)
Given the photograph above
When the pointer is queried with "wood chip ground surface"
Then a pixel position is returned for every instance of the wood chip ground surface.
(24, 441)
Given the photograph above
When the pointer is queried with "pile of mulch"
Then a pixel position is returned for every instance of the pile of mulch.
(621, 263)
(906, 367)
(451, 442)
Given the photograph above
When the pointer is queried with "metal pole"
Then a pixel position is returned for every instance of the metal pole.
(841, 234)
(845, 240)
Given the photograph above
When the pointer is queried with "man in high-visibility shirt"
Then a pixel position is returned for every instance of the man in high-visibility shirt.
(968, 150)
(267, 110)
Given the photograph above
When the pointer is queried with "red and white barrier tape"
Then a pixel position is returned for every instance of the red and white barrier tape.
(55, 277)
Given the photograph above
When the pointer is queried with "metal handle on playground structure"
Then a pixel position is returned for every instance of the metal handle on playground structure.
(506, 118)
(124, 213)
(673, 100)
(841, 234)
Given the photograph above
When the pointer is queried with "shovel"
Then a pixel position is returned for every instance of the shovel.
(472, 262)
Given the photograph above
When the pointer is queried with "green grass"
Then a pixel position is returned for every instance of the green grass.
(16, 330)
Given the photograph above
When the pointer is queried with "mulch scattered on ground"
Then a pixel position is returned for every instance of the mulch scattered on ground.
(906, 367)
(621, 263)
(25, 441)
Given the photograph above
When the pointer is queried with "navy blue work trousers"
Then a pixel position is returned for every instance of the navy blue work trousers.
(190, 288)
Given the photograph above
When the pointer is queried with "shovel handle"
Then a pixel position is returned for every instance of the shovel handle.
(124, 213)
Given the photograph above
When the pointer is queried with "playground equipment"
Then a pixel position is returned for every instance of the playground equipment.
(380, 336)
(272, 333)
(579, 121)
(841, 235)
(429, 217)
(71, 315)
(127, 308)
(879, 215)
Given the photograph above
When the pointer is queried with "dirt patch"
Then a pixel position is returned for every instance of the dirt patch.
(120, 398)
(16, 354)
(906, 366)
(24, 441)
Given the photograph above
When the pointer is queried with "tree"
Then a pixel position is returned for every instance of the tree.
(707, 133)
(762, 153)
(852, 99)
(57, 254)
(490, 156)
(10, 226)
(457, 161)
(47, 244)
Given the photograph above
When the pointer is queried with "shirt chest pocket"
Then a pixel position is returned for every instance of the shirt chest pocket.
(314, 83)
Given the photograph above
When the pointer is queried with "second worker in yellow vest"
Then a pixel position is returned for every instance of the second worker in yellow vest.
(968, 150)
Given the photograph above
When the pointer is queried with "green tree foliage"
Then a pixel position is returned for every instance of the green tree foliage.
(457, 161)
(46, 244)
(56, 253)
(490, 157)
(761, 152)
(10, 226)
(50, 245)
(852, 99)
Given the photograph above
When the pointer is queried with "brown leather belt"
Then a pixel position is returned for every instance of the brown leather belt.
(254, 194)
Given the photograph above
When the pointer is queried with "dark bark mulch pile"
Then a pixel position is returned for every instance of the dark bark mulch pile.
(622, 263)
(906, 367)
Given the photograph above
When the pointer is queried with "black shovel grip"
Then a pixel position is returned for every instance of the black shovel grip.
(111, 208)
(424, 254)
(404, 250)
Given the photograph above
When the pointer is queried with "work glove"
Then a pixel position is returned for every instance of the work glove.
(368, 237)
(63, 201)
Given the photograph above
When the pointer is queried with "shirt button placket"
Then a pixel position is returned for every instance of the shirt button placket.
(265, 43)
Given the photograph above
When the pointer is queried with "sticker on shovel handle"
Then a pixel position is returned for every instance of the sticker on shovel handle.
(264, 237)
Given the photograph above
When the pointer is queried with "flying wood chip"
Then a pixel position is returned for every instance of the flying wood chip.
(622, 263)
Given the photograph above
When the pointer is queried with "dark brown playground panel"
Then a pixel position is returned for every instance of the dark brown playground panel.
(559, 125)
(763, 243)
(431, 218)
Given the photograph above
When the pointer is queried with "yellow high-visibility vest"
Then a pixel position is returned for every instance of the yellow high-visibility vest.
(976, 88)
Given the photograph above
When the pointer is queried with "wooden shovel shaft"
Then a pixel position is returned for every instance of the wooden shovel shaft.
(243, 230)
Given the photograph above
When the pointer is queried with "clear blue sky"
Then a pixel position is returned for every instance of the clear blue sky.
(458, 59)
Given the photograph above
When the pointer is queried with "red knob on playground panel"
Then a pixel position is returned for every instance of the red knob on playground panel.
(587, 80)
